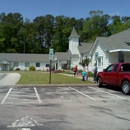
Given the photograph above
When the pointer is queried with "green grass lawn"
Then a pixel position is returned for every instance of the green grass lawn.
(38, 77)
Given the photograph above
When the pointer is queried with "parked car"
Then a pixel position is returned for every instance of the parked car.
(117, 74)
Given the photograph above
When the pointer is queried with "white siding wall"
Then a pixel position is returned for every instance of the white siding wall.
(21, 66)
(11, 66)
(101, 53)
(113, 58)
(60, 64)
(73, 44)
(74, 62)
(127, 57)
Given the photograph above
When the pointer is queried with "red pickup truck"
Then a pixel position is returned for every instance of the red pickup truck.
(117, 74)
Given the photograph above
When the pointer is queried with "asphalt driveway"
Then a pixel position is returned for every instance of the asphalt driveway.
(62, 108)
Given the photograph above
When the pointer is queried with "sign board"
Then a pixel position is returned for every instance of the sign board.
(96, 56)
(50, 54)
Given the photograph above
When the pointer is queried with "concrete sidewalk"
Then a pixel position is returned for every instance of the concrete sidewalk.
(10, 79)
(78, 76)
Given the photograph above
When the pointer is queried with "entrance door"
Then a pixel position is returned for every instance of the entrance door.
(5, 67)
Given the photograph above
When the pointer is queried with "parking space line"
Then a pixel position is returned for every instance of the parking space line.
(38, 97)
(107, 92)
(82, 93)
(6, 96)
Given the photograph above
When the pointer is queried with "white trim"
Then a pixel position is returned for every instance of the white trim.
(94, 44)
(116, 50)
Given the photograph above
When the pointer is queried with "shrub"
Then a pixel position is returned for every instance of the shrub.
(17, 69)
(72, 68)
(80, 71)
(57, 71)
(90, 74)
(32, 68)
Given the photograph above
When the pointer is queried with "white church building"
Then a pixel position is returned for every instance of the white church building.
(104, 51)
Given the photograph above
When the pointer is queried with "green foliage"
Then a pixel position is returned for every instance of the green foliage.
(17, 69)
(80, 71)
(32, 68)
(90, 74)
(67, 72)
(84, 61)
(31, 77)
(22, 36)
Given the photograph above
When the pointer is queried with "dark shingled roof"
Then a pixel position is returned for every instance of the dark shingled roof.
(17, 57)
(85, 47)
(73, 34)
(62, 55)
(116, 41)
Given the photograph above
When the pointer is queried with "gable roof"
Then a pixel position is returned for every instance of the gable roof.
(20, 57)
(123, 35)
(62, 55)
(4, 61)
(115, 42)
(85, 47)
(73, 34)
(118, 41)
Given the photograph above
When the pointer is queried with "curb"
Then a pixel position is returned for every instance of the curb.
(53, 85)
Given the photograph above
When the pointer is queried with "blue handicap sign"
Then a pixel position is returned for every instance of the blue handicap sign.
(51, 54)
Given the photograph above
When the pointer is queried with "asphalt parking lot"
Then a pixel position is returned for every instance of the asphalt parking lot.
(63, 108)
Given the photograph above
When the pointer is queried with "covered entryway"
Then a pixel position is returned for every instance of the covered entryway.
(122, 54)
(4, 65)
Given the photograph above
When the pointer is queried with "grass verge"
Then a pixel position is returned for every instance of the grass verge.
(38, 77)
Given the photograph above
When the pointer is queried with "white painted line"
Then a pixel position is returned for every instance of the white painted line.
(82, 93)
(6, 96)
(107, 93)
(25, 122)
(24, 129)
(38, 97)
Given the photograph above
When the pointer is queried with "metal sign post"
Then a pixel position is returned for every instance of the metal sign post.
(50, 58)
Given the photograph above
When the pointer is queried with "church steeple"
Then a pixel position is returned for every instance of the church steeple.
(74, 42)
(73, 34)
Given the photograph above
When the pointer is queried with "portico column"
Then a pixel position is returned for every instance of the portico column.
(120, 56)
(58, 65)
(55, 64)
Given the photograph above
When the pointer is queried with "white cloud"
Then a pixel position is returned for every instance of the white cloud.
(115, 13)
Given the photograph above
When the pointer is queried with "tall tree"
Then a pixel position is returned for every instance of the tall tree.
(39, 35)
(61, 33)
(96, 25)
(49, 31)
(118, 24)
(10, 26)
